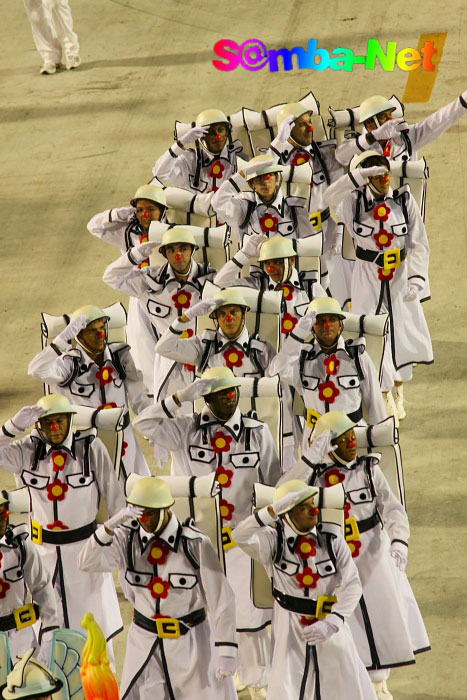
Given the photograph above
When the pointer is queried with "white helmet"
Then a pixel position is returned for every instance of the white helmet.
(223, 378)
(229, 296)
(373, 106)
(211, 116)
(293, 485)
(92, 313)
(30, 679)
(263, 166)
(357, 161)
(55, 403)
(151, 492)
(337, 422)
(293, 108)
(150, 192)
(177, 234)
(326, 305)
(276, 247)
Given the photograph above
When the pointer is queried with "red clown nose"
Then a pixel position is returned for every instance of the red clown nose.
(316, 511)
(385, 179)
(230, 394)
(229, 318)
(218, 137)
(101, 334)
(267, 176)
(352, 443)
(310, 128)
(144, 518)
(54, 426)
(327, 324)
(5, 514)
(146, 214)
(271, 269)
(178, 257)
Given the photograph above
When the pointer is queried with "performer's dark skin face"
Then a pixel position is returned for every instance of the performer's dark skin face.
(216, 137)
(150, 519)
(327, 330)
(346, 446)
(223, 404)
(275, 268)
(305, 515)
(56, 427)
(94, 337)
(4, 513)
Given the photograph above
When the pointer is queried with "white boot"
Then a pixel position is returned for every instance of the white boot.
(257, 693)
(399, 401)
(391, 406)
(48, 68)
(382, 692)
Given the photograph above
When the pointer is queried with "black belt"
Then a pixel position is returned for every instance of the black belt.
(186, 622)
(304, 606)
(59, 537)
(8, 622)
(357, 415)
(368, 523)
(375, 256)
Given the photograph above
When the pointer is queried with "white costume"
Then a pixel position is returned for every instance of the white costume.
(246, 213)
(383, 640)
(388, 227)
(121, 227)
(242, 452)
(331, 670)
(330, 382)
(52, 29)
(163, 297)
(174, 575)
(116, 383)
(405, 145)
(22, 572)
(65, 485)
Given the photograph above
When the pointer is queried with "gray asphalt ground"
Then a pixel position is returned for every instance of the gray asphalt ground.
(79, 142)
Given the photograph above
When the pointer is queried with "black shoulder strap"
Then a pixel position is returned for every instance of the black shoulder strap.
(68, 382)
(280, 542)
(118, 363)
(251, 206)
(317, 154)
(39, 454)
(407, 141)
(358, 206)
(355, 355)
(188, 554)
(86, 460)
(206, 353)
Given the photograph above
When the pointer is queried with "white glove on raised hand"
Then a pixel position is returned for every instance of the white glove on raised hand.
(26, 417)
(386, 131)
(306, 323)
(71, 331)
(287, 501)
(123, 213)
(225, 667)
(412, 292)
(143, 250)
(193, 134)
(203, 307)
(123, 515)
(250, 168)
(362, 175)
(200, 387)
(319, 632)
(252, 244)
(320, 447)
(400, 554)
(285, 129)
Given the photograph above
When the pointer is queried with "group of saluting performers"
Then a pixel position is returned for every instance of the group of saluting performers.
(343, 612)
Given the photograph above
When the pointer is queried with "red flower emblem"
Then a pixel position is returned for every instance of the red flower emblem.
(385, 275)
(287, 291)
(300, 158)
(332, 364)
(158, 553)
(381, 212)
(4, 587)
(383, 238)
(224, 477)
(221, 442)
(347, 509)
(188, 333)
(124, 446)
(288, 323)
(306, 548)
(56, 490)
(354, 546)
(269, 223)
(158, 587)
(105, 375)
(328, 392)
(234, 357)
(144, 239)
(181, 300)
(333, 477)
(112, 404)
(57, 525)
(59, 460)
(217, 169)
(226, 509)
(308, 578)
(387, 149)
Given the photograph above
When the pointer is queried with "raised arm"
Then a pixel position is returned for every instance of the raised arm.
(110, 225)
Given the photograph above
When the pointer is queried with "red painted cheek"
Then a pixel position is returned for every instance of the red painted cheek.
(231, 394)
(178, 257)
(316, 511)
(144, 518)
(54, 426)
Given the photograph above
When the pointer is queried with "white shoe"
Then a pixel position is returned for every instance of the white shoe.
(382, 692)
(391, 406)
(48, 68)
(72, 62)
(257, 693)
(399, 401)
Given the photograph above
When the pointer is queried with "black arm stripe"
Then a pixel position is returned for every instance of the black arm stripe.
(401, 542)
(237, 263)
(353, 180)
(225, 644)
(234, 185)
(463, 102)
(165, 409)
(5, 432)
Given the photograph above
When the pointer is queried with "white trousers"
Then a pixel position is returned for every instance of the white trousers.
(52, 28)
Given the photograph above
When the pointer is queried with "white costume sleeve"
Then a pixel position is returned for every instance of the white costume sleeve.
(350, 590)
(354, 146)
(106, 477)
(220, 598)
(103, 552)
(257, 540)
(270, 466)
(371, 390)
(173, 346)
(418, 248)
(334, 167)
(13, 456)
(175, 166)
(424, 132)
(110, 225)
(228, 203)
(277, 148)
(286, 363)
(160, 423)
(38, 581)
(136, 389)
(229, 274)
(124, 275)
(49, 367)
(336, 192)
(392, 512)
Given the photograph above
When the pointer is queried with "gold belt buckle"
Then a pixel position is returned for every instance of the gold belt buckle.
(168, 627)
(311, 418)
(324, 605)
(25, 616)
(316, 220)
(36, 532)
(227, 540)
(392, 258)
(351, 529)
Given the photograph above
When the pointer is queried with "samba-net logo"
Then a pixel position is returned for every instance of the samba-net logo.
(253, 55)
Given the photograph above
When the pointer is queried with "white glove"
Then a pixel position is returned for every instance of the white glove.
(225, 667)
(306, 323)
(250, 168)
(400, 553)
(43, 654)
(401, 125)
(287, 501)
(26, 417)
(71, 331)
(320, 447)
(362, 175)
(200, 387)
(412, 292)
(143, 250)
(123, 213)
(203, 307)
(123, 515)
(252, 244)
(193, 134)
(319, 632)
(285, 129)
(386, 131)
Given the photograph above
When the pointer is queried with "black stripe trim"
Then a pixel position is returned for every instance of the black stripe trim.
(369, 634)
(174, 155)
(358, 145)
(254, 629)
(62, 588)
(295, 337)
(165, 409)
(463, 102)
(131, 258)
(401, 542)
(353, 180)
(338, 615)
(5, 432)
(175, 332)
(258, 519)
(417, 276)
(55, 348)
(316, 665)
(234, 185)
(237, 263)
(101, 544)
(110, 216)
(305, 672)
(138, 674)
(396, 665)
(114, 634)
(226, 644)
(166, 672)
